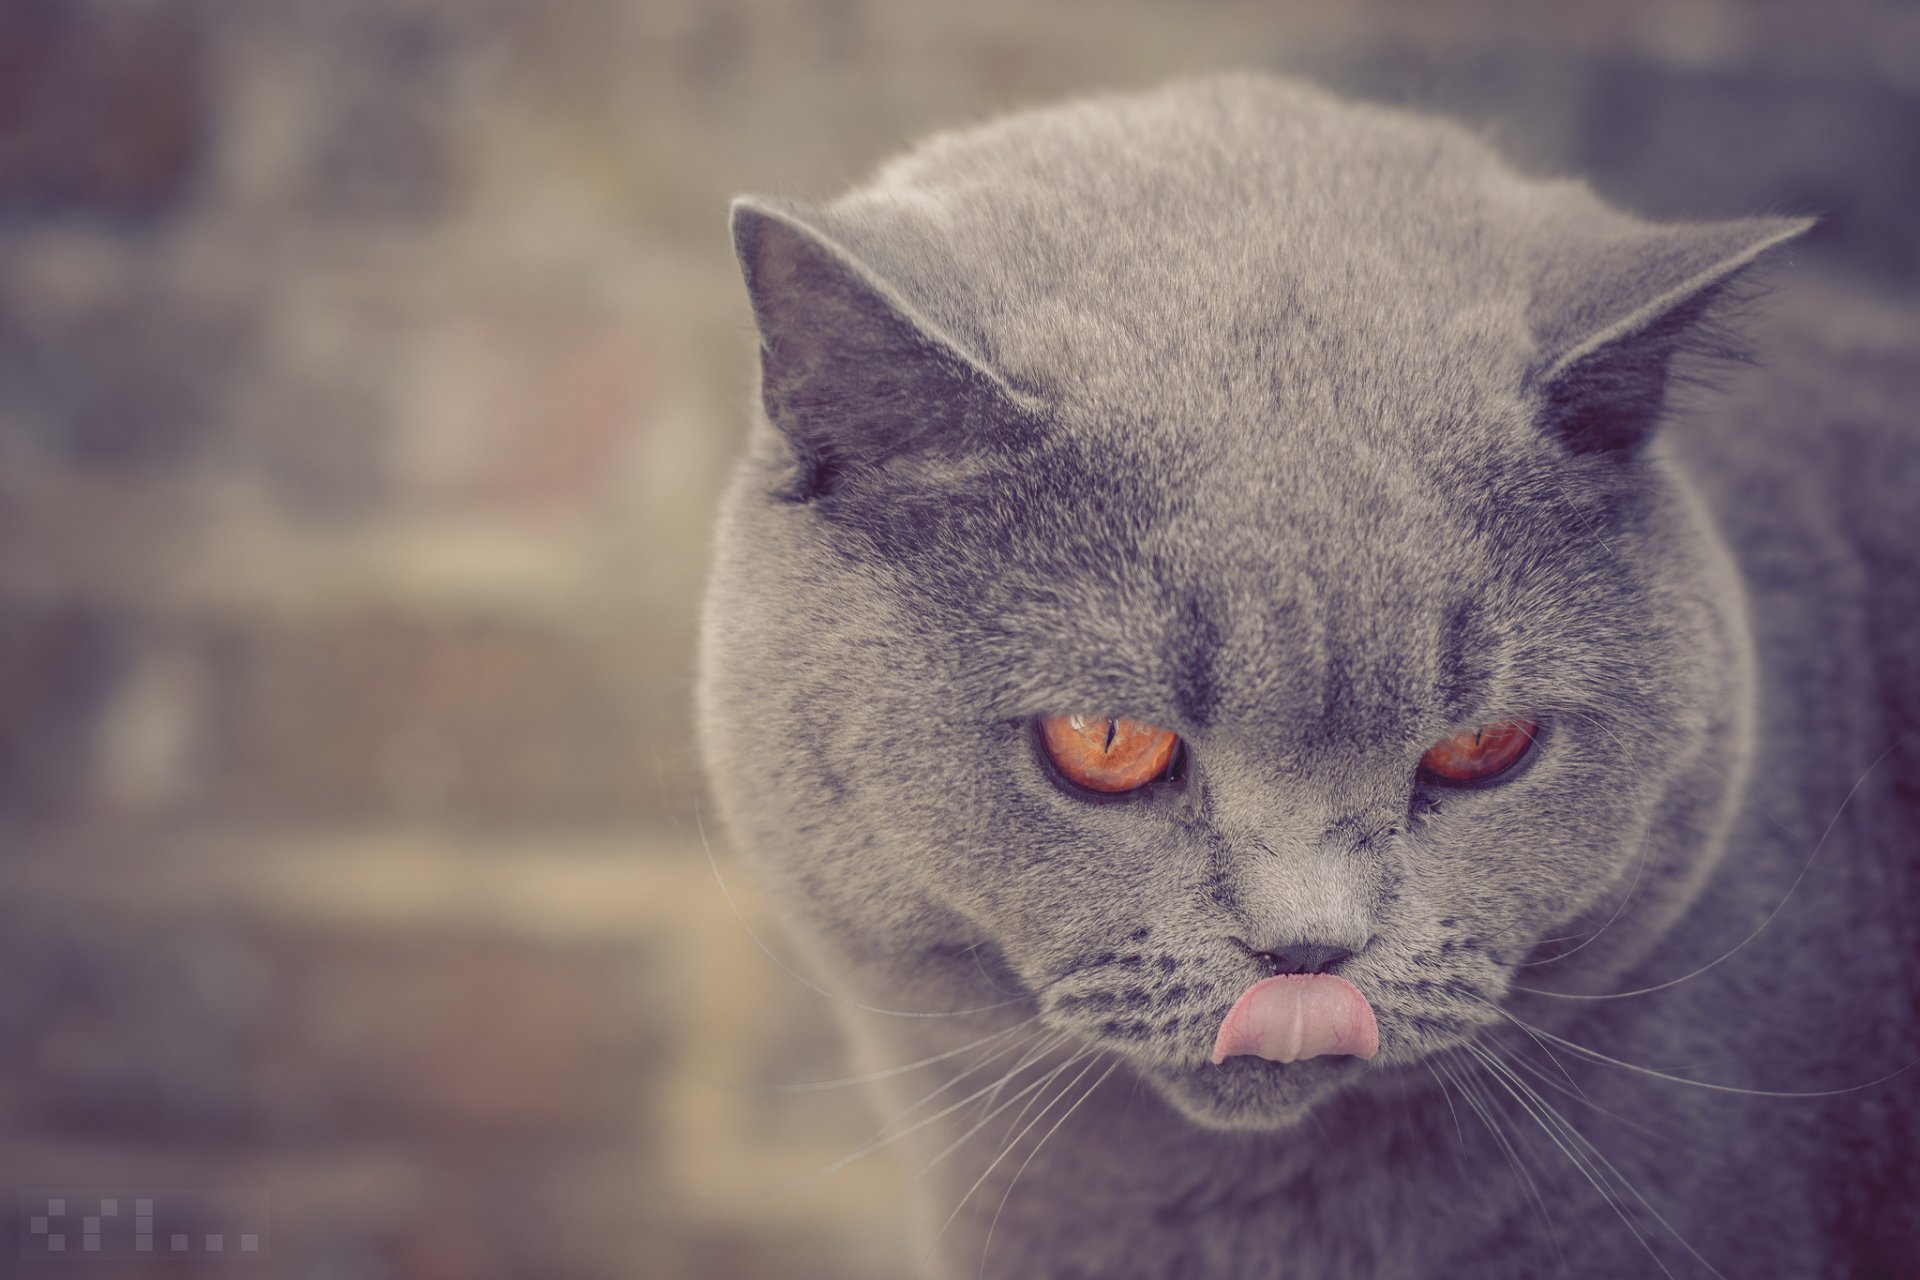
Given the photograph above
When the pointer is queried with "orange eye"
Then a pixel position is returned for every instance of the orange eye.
(1103, 754)
(1479, 754)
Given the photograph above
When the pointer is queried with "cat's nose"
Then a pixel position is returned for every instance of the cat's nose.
(1304, 957)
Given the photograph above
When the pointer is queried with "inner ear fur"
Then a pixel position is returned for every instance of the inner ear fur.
(1610, 314)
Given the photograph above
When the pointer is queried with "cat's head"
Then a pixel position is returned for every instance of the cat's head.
(1308, 434)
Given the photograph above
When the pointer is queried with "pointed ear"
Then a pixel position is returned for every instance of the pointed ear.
(852, 376)
(1610, 314)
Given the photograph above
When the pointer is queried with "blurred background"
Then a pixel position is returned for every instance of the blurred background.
(368, 369)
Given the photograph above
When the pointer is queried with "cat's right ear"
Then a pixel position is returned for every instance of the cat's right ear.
(1612, 311)
(851, 375)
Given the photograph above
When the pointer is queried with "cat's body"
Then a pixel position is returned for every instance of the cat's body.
(1312, 433)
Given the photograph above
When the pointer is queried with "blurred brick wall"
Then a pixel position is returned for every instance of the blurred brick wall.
(367, 370)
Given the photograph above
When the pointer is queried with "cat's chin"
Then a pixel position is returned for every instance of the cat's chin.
(1248, 1094)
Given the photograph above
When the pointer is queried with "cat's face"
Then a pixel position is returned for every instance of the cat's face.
(1311, 533)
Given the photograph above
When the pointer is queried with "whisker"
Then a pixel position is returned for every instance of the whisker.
(1482, 1105)
(1620, 908)
(1597, 1056)
(1514, 1059)
(1573, 509)
(1778, 908)
(1015, 1179)
(1033, 1051)
(1447, 1093)
(987, 1119)
(1558, 1065)
(1046, 1047)
(1543, 942)
(1022, 1114)
(1587, 1170)
(1594, 1152)
(1086, 1055)
(981, 968)
(1640, 865)
(887, 1134)
(744, 1089)
(1040, 1037)
(816, 1086)
(1748, 801)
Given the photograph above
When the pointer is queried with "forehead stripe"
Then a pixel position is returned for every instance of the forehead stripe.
(1196, 638)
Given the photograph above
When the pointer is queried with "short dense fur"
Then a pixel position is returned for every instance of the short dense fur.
(1314, 433)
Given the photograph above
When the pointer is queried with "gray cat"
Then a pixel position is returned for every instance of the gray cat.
(1244, 651)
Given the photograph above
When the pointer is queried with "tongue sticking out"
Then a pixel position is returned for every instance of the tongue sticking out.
(1297, 1016)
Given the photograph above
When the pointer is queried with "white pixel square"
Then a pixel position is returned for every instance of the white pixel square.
(249, 1243)
(216, 1242)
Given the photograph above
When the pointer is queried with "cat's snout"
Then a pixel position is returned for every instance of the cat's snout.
(1302, 957)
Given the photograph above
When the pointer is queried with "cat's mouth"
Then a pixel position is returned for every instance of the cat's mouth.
(1289, 1042)
(1234, 1048)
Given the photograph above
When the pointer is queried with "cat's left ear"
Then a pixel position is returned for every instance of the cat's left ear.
(1610, 314)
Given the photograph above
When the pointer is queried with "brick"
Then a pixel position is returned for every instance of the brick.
(438, 1055)
(527, 407)
(121, 373)
(58, 667)
(392, 712)
(102, 113)
(203, 1027)
(383, 1209)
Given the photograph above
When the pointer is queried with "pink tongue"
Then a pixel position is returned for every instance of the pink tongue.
(1298, 1015)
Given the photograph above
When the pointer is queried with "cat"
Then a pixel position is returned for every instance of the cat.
(1318, 711)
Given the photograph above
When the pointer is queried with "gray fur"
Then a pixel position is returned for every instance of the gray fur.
(1315, 433)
